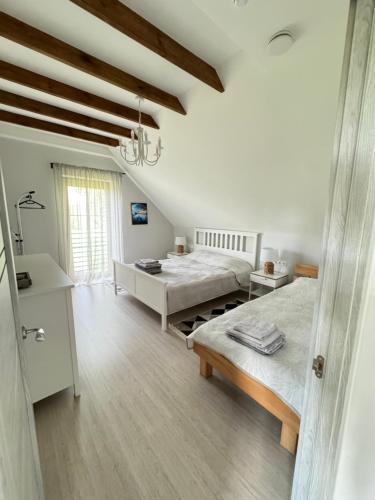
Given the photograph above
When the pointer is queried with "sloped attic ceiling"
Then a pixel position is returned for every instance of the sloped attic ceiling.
(267, 137)
(258, 156)
(70, 23)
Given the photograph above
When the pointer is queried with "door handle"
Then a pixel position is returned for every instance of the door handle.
(40, 335)
(318, 366)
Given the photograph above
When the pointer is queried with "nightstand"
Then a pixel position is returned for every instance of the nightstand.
(262, 283)
(172, 255)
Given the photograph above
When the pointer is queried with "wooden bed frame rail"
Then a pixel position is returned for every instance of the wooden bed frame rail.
(265, 397)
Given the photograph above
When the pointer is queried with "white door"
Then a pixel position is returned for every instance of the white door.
(20, 477)
(346, 256)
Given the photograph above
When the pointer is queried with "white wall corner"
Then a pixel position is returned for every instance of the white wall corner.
(120, 162)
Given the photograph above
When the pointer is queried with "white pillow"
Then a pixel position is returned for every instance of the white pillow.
(238, 266)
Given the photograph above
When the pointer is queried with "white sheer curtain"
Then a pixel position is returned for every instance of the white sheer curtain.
(89, 212)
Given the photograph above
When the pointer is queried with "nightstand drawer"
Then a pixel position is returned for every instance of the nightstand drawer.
(263, 280)
(271, 282)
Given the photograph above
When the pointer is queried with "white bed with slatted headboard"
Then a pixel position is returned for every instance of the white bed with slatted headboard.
(220, 263)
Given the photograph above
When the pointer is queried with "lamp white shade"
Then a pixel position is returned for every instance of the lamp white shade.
(180, 240)
(268, 254)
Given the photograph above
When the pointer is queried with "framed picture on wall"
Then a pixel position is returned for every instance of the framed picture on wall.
(139, 213)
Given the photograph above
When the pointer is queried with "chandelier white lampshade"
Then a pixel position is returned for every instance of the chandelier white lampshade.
(136, 152)
(180, 242)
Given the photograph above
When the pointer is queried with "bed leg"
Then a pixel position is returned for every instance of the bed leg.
(114, 277)
(164, 322)
(289, 438)
(205, 368)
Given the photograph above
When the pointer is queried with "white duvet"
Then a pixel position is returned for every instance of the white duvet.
(201, 276)
(291, 309)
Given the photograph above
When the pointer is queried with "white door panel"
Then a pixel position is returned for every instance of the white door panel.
(20, 477)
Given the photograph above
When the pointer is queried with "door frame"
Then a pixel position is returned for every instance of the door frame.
(4, 222)
(347, 248)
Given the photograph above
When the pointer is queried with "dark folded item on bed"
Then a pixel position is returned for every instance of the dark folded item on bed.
(154, 268)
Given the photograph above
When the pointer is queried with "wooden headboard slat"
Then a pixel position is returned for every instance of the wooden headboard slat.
(306, 270)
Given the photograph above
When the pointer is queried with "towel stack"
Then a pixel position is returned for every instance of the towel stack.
(261, 336)
(149, 266)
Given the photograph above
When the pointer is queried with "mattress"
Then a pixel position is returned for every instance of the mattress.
(291, 308)
(201, 276)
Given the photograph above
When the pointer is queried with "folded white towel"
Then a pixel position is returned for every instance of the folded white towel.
(255, 327)
(260, 344)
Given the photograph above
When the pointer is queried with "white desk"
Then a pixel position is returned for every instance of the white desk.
(47, 303)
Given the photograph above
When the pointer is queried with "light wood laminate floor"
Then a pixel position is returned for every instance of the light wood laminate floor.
(147, 426)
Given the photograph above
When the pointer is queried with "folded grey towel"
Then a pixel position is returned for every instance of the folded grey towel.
(152, 265)
(149, 270)
(269, 350)
(261, 344)
(255, 327)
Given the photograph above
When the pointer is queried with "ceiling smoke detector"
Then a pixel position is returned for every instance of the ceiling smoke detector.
(280, 43)
(240, 3)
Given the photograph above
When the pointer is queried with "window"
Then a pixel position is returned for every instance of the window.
(90, 206)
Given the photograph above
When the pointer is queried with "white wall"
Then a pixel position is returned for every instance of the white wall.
(258, 156)
(356, 470)
(26, 167)
(151, 240)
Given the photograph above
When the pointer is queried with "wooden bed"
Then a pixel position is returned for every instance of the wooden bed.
(152, 290)
(290, 420)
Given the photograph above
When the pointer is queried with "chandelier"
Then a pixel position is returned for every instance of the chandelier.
(136, 151)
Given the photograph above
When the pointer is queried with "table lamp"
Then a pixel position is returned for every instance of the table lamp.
(180, 241)
(267, 256)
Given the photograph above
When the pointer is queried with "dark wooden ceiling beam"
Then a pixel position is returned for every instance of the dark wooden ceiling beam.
(35, 81)
(18, 101)
(37, 40)
(120, 17)
(27, 121)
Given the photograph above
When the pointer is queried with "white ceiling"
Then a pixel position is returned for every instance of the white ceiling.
(182, 19)
(213, 29)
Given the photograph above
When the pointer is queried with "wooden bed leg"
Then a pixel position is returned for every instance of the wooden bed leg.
(164, 322)
(205, 368)
(289, 438)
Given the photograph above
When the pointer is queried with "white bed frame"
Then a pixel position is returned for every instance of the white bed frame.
(152, 291)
